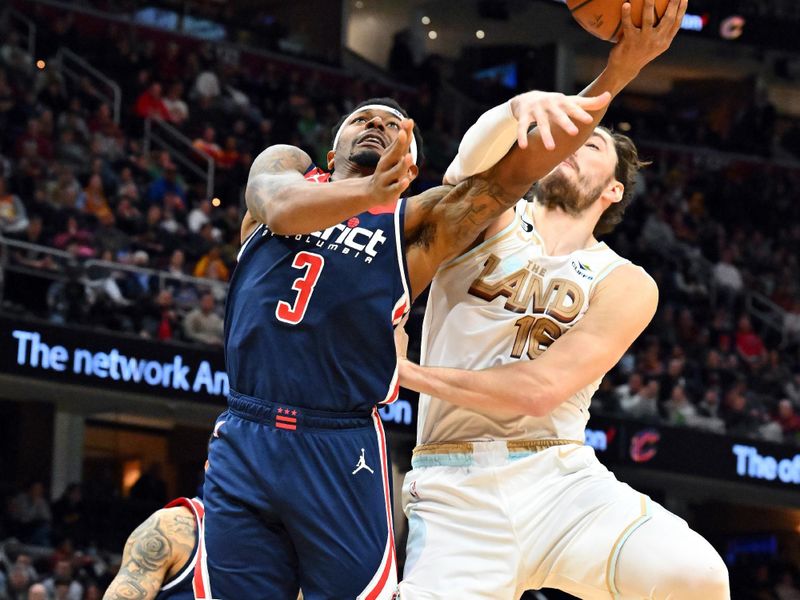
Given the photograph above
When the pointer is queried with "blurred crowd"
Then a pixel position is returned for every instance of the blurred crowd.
(69, 549)
(143, 250)
(97, 229)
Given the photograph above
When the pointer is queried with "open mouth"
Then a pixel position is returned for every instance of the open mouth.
(372, 139)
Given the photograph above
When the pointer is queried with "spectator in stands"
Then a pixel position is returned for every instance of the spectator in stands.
(128, 188)
(680, 410)
(72, 119)
(728, 278)
(786, 589)
(107, 236)
(72, 153)
(92, 591)
(646, 405)
(739, 420)
(19, 582)
(61, 584)
(792, 389)
(211, 266)
(199, 215)
(53, 93)
(203, 324)
(206, 86)
(177, 263)
(168, 183)
(177, 108)
(74, 233)
(207, 145)
(160, 320)
(791, 321)
(95, 201)
(69, 515)
(150, 104)
(229, 157)
(38, 592)
(34, 140)
(788, 419)
(709, 406)
(67, 299)
(13, 216)
(748, 343)
(31, 514)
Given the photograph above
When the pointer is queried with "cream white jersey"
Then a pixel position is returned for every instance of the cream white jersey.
(507, 300)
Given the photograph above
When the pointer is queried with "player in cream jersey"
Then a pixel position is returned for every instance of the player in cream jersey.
(503, 495)
(519, 299)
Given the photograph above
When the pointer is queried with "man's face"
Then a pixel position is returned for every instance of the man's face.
(578, 181)
(366, 135)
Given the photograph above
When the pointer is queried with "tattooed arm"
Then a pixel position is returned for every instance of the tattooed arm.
(154, 552)
(442, 224)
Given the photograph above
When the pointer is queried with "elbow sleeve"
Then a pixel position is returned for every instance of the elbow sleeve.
(484, 144)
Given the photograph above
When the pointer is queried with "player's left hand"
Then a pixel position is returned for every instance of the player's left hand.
(640, 45)
(401, 339)
(549, 109)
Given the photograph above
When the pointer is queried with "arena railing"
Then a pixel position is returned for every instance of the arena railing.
(767, 312)
(13, 13)
(7, 264)
(71, 65)
(181, 149)
(163, 278)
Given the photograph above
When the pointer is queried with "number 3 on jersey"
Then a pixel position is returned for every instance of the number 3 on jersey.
(313, 263)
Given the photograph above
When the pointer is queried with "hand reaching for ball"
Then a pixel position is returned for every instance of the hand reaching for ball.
(640, 45)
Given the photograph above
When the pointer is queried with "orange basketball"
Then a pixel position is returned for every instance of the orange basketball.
(603, 18)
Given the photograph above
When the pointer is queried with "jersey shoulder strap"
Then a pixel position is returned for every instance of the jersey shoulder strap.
(195, 506)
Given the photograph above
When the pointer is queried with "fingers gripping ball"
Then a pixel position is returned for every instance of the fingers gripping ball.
(603, 18)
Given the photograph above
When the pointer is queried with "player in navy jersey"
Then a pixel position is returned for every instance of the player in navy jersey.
(160, 556)
(298, 491)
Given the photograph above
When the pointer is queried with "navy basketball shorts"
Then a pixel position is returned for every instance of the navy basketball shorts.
(297, 498)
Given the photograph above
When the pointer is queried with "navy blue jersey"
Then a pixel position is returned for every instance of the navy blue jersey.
(309, 318)
(180, 587)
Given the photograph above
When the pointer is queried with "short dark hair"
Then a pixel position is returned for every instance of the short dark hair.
(628, 165)
(391, 102)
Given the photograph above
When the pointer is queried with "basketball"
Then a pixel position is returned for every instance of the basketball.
(603, 18)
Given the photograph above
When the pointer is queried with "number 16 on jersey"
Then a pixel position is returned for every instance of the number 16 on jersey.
(304, 286)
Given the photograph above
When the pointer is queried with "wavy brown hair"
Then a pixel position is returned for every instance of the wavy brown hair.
(628, 165)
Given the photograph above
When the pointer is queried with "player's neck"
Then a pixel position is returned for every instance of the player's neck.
(563, 233)
(348, 170)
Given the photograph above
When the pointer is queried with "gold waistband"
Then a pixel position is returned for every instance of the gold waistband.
(511, 446)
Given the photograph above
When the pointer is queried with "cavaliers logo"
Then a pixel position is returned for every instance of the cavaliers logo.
(644, 445)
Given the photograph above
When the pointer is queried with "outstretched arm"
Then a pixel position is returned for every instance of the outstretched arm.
(441, 223)
(621, 308)
(162, 542)
(279, 196)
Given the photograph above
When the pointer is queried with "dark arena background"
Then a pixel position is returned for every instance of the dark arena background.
(127, 128)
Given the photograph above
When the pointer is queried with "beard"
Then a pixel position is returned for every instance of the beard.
(367, 159)
(556, 190)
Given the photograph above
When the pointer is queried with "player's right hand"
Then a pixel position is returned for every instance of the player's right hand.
(549, 109)
(393, 174)
(640, 45)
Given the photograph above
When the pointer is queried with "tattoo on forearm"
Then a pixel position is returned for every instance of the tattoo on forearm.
(126, 587)
(149, 552)
(465, 210)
